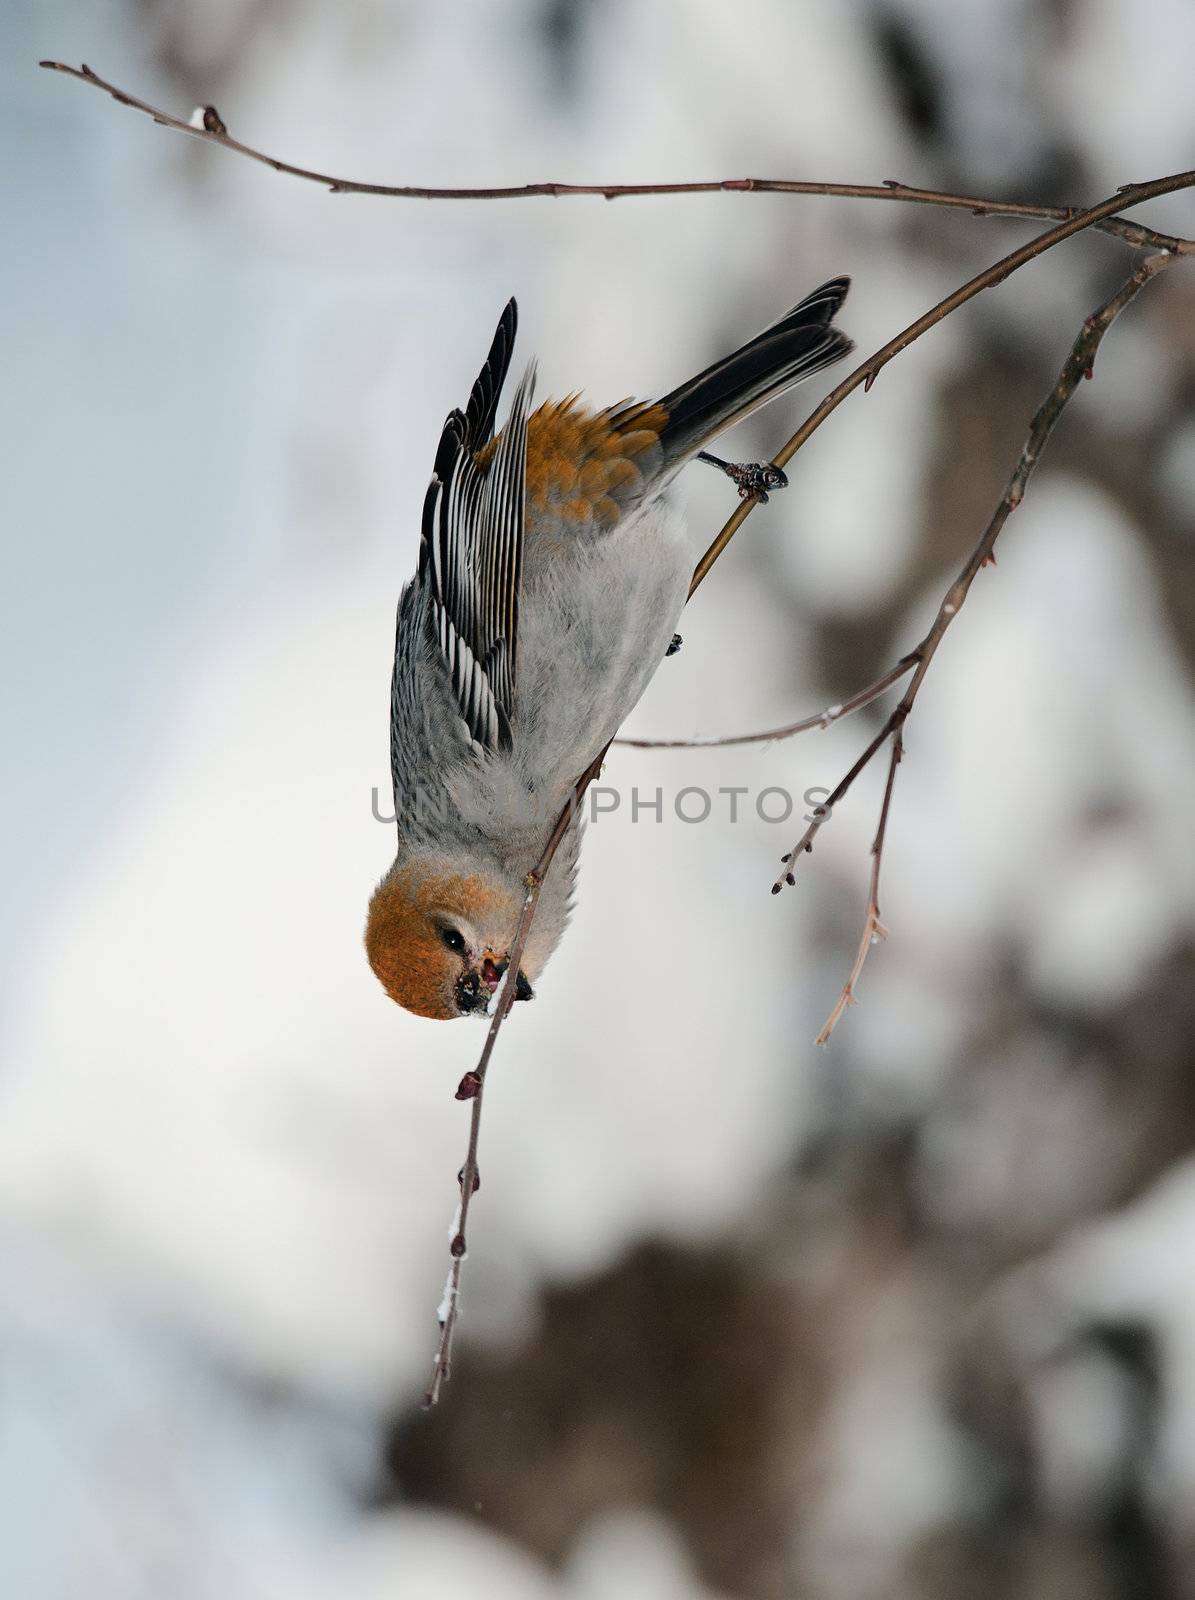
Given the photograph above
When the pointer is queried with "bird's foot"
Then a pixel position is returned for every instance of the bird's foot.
(749, 477)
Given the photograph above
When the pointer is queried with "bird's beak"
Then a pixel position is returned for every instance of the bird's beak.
(493, 970)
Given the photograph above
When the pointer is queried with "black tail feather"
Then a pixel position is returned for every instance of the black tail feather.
(800, 344)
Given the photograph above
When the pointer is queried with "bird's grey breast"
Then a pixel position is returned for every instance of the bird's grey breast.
(597, 615)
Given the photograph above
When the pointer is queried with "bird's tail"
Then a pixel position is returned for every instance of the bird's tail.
(800, 344)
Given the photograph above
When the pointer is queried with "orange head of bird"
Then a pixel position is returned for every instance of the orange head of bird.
(438, 941)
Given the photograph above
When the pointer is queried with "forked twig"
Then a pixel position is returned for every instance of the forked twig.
(1078, 365)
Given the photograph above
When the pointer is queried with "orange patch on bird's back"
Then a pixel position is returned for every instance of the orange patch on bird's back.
(405, 943)
(581, 465)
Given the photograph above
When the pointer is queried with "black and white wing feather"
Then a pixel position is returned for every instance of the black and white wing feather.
(471, 556)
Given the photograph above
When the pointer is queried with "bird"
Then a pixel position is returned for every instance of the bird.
(554, 563)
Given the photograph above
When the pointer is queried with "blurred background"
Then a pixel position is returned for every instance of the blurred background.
(913, 1315)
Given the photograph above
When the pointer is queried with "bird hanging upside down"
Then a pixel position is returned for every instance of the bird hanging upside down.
(553, 568)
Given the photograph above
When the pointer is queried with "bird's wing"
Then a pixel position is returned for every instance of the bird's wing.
(471, 555)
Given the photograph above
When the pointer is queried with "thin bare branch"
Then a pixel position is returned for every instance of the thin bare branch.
(822, 719)
(1078, 365)
(210, 127)
(873, 929)
(823, 812)
(866, 373)
(472, 1087)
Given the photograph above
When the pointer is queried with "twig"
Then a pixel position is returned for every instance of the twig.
(823, 812)
(210, 127)
(822, 719)
(472, 1087)
(867, 372)
(1078, 365)
(873, 929)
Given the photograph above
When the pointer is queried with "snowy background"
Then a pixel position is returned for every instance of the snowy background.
(912, 1316)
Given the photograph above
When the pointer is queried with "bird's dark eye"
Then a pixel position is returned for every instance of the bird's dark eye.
(454, 940)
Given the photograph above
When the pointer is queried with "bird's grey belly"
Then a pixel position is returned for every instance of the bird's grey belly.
(596, 617)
